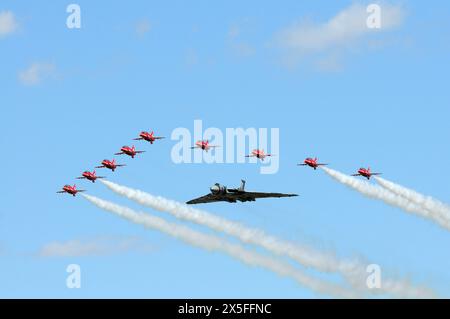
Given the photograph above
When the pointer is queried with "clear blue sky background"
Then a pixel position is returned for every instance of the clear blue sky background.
(384, 105)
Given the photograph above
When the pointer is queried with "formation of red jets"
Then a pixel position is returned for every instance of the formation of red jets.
(111, 164)
(203, 145)
(364, 172)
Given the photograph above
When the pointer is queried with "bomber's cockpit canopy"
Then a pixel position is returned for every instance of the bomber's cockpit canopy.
(217, 188)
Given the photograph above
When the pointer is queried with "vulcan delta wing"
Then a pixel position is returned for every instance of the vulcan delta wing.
(221, 193)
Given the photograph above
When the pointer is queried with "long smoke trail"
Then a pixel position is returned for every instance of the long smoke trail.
(387, 196)
(353, 271)
(437, 209)
(214, 243)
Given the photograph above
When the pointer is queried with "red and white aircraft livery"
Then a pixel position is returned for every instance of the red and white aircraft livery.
(130, 151)
(259, 154)
(72, 190)
(90, 176)
(365, 173)
(311, 162)
(149, 137)
(204, 145)
(110, 164)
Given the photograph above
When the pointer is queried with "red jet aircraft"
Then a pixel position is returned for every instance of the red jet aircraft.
(72, 190)
(311, 162)
(130, 151)
(110, 164)
(259, 154)
(365, 173)
(204, 145)
(149, 137)
(90, 176)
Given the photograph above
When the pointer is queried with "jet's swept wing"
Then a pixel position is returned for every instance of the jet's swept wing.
(262, 195)
(244, 196)
(210, 198)
(236, 195)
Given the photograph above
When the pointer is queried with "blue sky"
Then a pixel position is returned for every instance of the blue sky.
(71, 98)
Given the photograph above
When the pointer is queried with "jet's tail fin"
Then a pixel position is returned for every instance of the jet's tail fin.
(242, 187)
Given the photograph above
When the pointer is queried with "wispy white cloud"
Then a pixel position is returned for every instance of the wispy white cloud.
(239, 46)
(36, 73)
(8, 23)
(342, 32)
(93, 247)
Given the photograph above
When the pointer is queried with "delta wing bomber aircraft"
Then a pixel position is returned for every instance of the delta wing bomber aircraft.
(221, 193)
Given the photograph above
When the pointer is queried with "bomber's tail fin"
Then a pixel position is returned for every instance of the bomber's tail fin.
(242, 187)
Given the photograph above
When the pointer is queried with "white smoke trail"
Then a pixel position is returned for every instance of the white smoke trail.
(386, 196)
(214, 243)
(353, 271)
(438, 210)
